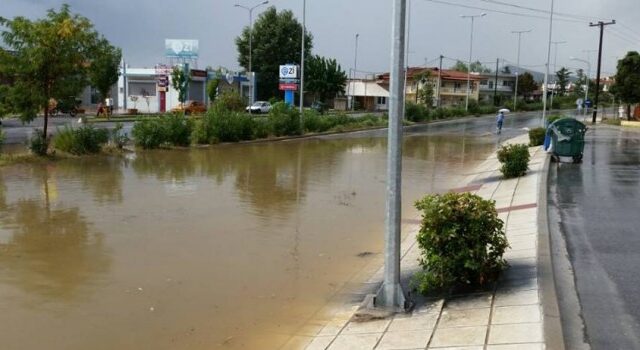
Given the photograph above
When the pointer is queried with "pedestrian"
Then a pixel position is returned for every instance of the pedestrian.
(499, 122)
(100, 109)
(109, 103)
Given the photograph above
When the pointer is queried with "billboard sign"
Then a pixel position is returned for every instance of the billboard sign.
(181, 48)
(288, 87)
(288, 71)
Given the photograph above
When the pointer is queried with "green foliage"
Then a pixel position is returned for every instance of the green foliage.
(476, 66)
(229, 126)
(276, 40)
(285, 120)
(149, 133)
(536, 136)
(562, 80)
(261, 128)
(426, 93)
(2, 137)
(616, 122)
(117, 137)
(177, 129)
(416, 112)
(180, 82)
(49, 58)
(627, 79)
(104, 70)
(462, 242)
(80, 141)
(552, 118)
(229, 101)
(39, 143)
(526, 84)
(212, 89)
(514, 159)
(324, 77)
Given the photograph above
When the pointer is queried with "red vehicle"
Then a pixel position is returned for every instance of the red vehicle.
(191, 107)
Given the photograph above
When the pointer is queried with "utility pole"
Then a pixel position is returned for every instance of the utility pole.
(439, 80)
(515, 95)
(555, 68)
(495, 88)
(391, 296)
(251, 79)
(302, 54)
(600, 24)
(546, 74)
(355, 68)
(473, 17)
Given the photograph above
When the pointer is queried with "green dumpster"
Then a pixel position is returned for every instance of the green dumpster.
(568, 138)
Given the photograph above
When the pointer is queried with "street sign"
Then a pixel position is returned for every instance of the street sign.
(288, 71)
(288, 87)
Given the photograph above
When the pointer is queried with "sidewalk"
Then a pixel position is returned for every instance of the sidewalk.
(508, 317)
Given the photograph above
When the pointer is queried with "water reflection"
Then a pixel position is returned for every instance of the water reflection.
(102, 176)
(51, 250)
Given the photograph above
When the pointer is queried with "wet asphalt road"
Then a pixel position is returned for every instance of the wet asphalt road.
(17, 132)
(599, 211)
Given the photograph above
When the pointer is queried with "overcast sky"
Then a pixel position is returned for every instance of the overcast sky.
(140, 27)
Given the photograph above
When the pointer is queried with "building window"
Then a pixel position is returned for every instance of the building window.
(382, 100)
(484, 82)
(95, 96)
(490, 85)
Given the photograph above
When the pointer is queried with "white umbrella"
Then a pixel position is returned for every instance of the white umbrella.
(504, 110)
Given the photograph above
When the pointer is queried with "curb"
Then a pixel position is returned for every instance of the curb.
(553, 333)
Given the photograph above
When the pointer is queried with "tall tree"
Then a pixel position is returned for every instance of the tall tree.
(50, 59)
(526, 84)
(105, 68)
(180, 83)
(627, 80)
(324, 77)
(426, 92)
(562, 80)
(276, 40)
(476, 67)
(581, 81)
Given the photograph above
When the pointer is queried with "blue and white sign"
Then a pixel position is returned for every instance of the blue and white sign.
(289, 71)
(181, 48)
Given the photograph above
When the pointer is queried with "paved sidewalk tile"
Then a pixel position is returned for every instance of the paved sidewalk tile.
(320, 343)
(366, 327)
(474, 301)
(528, 346)
(516, 333)
(404, 340)
(516, 314)
(461, 336)
(461, 318)
(414, 322)
(528, 297)
(355, 341)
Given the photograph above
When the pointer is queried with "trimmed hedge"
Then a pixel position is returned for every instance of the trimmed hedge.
(514, 159)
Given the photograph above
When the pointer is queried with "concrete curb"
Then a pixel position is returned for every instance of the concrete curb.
(553, 334)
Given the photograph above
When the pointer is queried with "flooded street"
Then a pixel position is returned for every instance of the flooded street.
(229, 247)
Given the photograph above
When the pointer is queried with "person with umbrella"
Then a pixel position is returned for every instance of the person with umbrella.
(500, 120)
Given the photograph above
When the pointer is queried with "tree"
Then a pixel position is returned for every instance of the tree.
(562, 79)
(476, 67)
(425, 93)
(50, 59)
(276, 41)
(526, 84)
(180, 83)
(212, 89)
(506, 70)
(324, 77)
(627, 80)
(105, 70)
(581, 81)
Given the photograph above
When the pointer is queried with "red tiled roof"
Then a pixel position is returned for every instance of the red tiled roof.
(447, 74)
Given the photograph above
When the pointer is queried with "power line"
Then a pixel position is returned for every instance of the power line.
(501, 12)
(629, 29)
(583, 18)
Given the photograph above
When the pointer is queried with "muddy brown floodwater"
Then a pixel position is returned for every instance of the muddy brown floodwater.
(231, 247)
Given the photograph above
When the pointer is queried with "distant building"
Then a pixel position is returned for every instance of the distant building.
(503, 87)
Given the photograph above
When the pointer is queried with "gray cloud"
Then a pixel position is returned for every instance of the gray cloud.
(140, 27)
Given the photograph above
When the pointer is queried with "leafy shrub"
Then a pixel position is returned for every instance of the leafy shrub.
(462, 241)
(227, 126)
(261, 128)
(312, 121)
(39, 143)
(536, 136)
(285, 120)
(514, 159)
(177, 129)
(82, 140)
(149, 133)
(2, 137)
(229, 101)
(416, 112)
(200, 134)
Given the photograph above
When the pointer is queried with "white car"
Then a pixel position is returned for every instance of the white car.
(259, 107)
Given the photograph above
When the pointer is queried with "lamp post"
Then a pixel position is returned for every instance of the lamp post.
(355, 71)
(473, 17)
(515, 95)
(555, 67)
(546, 74)
(250, 10)
(302, 54)
(586, 93)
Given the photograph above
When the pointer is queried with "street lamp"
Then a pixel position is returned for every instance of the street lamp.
(250, 9)
(515, 95)
(555, 68)
(473, 17)
(586, 93)
(302, 54)
(355, 71)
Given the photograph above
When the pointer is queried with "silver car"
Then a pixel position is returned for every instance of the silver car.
(259, 107)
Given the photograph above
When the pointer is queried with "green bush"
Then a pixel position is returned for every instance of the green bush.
(177, 129)
(416, 112)
(82, 140)
(284, 120)
(536, 136)
(229, 101)
(39, 143)
(228, 126)
(149, 133)
(462, 242)
(2, 137)
(514, 159)
(117, 138)
(261, 128)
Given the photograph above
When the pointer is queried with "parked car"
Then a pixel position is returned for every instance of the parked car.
(259, 107)
(191, 107)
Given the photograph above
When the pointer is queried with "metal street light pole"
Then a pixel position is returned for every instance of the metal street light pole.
(555, 68)
(515, 95)
(391, 295)
(355, 71)
(473, 17)
(250, 9)
(302, 54)
(586, 93)
(546, 74)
